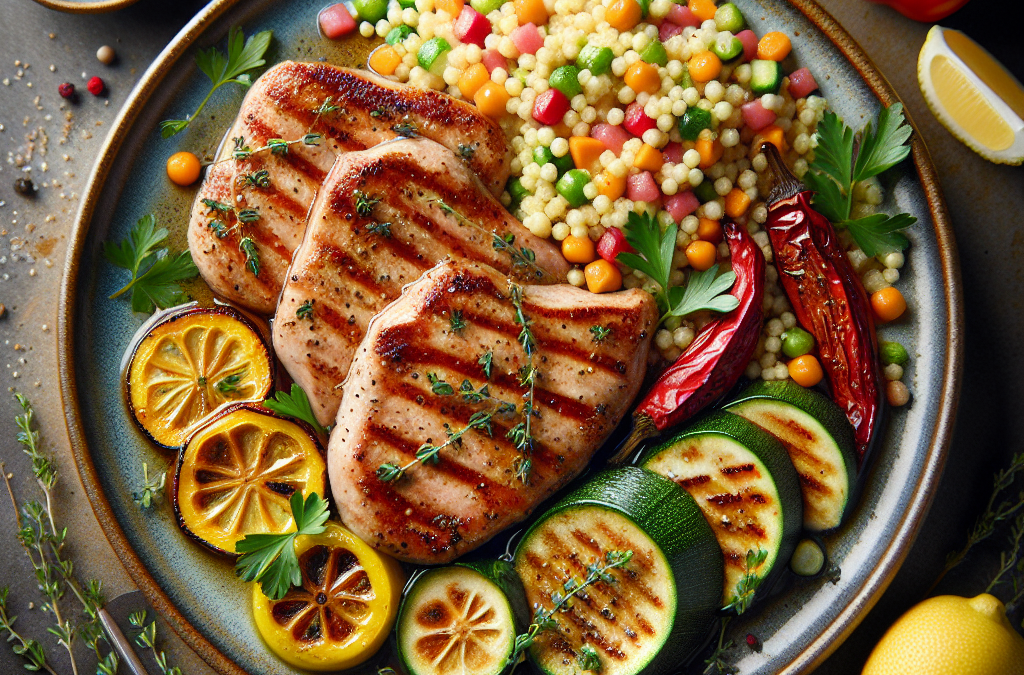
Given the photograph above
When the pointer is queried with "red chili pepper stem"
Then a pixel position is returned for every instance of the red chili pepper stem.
(785, 184)
(643, 428)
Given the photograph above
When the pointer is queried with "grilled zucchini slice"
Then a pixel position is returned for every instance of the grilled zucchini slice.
(659, 606)
(818, 438)
(462, 619)
(748, 490)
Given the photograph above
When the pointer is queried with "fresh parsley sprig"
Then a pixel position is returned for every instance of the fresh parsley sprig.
(155, 271)
(270, 558)
(297, 405)
(244, 56)
(839, 165)
(704, 290)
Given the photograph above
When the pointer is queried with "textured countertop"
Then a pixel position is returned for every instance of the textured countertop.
(40, 48)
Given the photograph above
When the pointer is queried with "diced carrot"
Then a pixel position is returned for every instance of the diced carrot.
(579, 250)
(602, 276)
(704, 66)
(453, 7)
(774, 46)
(609, 185)
(491, 99)
(623, 15)
(642, 76)
(770, 134)
(472, 79)
(736, 203)
(648, 159)
(385, 60)
(531, 11)
(586, 153)
(701, 254)
(710, 152)
(709, 230)
(702, 9)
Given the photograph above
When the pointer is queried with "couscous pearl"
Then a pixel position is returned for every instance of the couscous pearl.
(891, 275)
(696, 177)
(576, 277)
(773, 345)
(366, 29)
(589, 190)
(893, 371)
(893, 260)
(713, 210)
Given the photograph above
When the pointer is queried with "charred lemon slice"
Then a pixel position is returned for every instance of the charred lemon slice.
(190, 365)
(343, 610)
(237, 473)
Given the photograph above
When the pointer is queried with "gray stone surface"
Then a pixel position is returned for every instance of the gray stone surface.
(40, 48)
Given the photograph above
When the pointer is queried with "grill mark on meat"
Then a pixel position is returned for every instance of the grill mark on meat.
(262, 132)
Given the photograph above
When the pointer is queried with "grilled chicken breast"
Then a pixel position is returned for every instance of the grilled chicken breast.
(359, 252)
(350, 110)
(393, 405)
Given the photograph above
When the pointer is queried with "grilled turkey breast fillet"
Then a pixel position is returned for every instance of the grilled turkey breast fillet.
(345, 272)
(437, 512)
(286, 103)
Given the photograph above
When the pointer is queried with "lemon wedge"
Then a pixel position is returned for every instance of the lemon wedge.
(973, 95)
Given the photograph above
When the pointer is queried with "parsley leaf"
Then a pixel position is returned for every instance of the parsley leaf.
(654, 249)
(244, 55)
(295, 405)
(834, 154)
(270, 558)
(878, 233)
(155, 272)
(704, 290)
(885, 148)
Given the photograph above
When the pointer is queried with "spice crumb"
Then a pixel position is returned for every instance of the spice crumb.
(45, 327)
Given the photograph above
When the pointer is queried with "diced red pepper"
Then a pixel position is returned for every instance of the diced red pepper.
(756, 116)
(612, 136)
(550, 106)
(672, 153)
(801, 83)
(682, 16)
(527, 39)
(335, 21)
(492, 59)
(471, 27)
(637, 121)
(668, 30)
(641, 187)
(612, 243)
(681, 204)
(749, 40)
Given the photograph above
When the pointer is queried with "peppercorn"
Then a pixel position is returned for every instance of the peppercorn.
(66, 90)
(106, 55)
(753, 642)
(24, 186)
(95, 86)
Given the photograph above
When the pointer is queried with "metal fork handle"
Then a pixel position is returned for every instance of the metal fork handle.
(122, 645)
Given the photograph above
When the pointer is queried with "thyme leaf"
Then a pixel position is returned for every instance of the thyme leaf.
(305, 310)
(599, 333)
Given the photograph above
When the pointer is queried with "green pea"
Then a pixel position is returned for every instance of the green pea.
(705, 192)
(571, 185)
(797, 342)
(517, 192)
(808, 559)
(543, 155)
(728, 17)
(566, 80)
(485, 7)
(371, 10)
(894, 352)
(694, 121)
(727, 48)
(398, 34)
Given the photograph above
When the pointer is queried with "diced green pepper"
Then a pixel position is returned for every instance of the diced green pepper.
(645, 7)
(542, 156)
(726, 47)
(694, 121)
(894, 352)
(571, 185)
(797, 342)
(371, 10)
(398, 34)
(705, 192)
(517, 192)
(407, 4)
(431, 52)
(655, 53)
(566, 80)
(684, 80)
(485, 7)
(598, 60)
(728, 17)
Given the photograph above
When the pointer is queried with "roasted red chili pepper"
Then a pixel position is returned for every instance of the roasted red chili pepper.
(827, 297)
(716, 358)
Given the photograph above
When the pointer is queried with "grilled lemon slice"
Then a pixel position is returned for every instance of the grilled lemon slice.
(236, 476)
(344, 608)
(191, 364)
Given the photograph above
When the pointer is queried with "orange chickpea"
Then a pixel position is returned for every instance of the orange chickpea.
(805, 370)
(579, 250)
(710, 230)
(888, 303)
(701, 254)
(702, 9)
(491, 99)
(705, 66)
(642, 76)
(623, 15)
(602, 276)
(183, 168)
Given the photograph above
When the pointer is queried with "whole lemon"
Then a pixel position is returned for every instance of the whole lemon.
(950, 635)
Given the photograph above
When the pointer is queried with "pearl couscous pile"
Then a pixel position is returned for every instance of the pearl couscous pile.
(620, 106)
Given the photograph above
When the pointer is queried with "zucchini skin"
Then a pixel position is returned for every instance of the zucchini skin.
(674, 522)
(774, 456)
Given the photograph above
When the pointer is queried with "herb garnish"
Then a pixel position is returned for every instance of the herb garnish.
(305, 310)
(470, 394)
(438, 386)
(837, 168)
(252, 256)
(365, 204)
(229, 384)
(155, 271)
(147, 640)
(430, 454)
(270, 558)
(407, 129)
(456, 322)
(654, 252)
(739, 603)
(600, 333)
(259, 179)
(382, 229)
(152, 487)
(521, 434)
(295, 405)
(467, 151)
(244, 55)
(486, 361)
(543, 618)
(588, 659)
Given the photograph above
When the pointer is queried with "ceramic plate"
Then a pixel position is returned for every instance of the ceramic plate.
(197, 592)
(86, 6)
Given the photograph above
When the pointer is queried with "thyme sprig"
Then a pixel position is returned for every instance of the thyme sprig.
(599, 333)
(716, 663)
(522, 257)
(1011, 565)
(43, 543)
(748, 583)
(470, 394)
(305, 310)
(457, 322)
(521, 434)
(27, 648)
(428, 453)
(152, 488)
(147, 640)
(544, 618)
